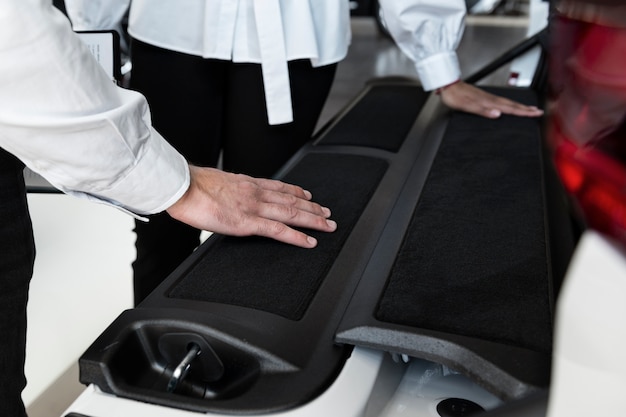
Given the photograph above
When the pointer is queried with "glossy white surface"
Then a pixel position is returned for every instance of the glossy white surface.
(425, 384)
(589, 370)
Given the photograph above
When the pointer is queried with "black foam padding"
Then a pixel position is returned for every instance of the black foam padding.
(278, 278)
(474, 258)
(381, 119)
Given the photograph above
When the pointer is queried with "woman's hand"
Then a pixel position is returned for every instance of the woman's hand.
(468, 98)
(239, 205)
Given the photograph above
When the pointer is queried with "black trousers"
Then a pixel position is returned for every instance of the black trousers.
(17, 256)
(206, 108)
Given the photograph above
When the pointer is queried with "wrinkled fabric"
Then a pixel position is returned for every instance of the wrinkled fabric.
(64, 118)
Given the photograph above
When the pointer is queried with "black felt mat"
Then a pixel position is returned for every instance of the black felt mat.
(381, 119)
(278, 278)
(474, 258)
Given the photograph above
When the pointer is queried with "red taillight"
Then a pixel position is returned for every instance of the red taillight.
(588, 118)
(597, 184)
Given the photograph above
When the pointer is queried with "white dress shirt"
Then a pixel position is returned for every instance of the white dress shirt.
(64, 118)
(272, 32)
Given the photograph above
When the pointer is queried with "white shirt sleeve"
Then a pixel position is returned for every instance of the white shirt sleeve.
(428, 32)
(65, 119)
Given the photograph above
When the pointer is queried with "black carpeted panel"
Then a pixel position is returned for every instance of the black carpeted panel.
(381, 119)
(474, 258)
(267, 275)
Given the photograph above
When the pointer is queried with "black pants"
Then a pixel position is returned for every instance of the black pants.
(17, 255)
(205, 107)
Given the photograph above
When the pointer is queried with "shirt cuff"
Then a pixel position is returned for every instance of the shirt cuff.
(438, 70)
(159, 178)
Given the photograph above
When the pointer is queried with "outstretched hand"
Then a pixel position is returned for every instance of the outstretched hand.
(239, 205)
(465, 97)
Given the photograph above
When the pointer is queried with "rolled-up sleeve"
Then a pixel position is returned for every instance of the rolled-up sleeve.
(428, 32)
(63, 117)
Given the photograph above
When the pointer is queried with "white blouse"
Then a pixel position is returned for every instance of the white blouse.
(64, 118)
(273, 32)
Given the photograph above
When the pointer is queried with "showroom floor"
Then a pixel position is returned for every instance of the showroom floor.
(83, 279)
